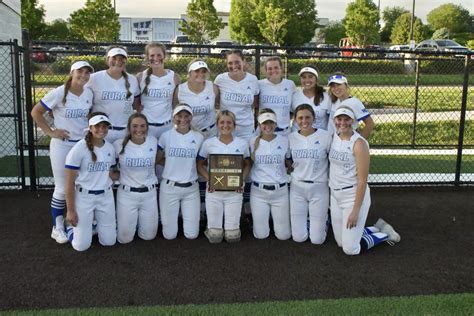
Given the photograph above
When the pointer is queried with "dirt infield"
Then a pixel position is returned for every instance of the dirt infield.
(433, 257)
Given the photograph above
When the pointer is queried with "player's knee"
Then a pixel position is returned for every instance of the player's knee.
(299, 237)
(124, 238)
(351, 250)
(170, 236)
(107, 240)
(192, 235)
(283, 236)
(80, 246)
(318, 240)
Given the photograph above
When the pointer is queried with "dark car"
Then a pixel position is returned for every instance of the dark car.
(39, 54)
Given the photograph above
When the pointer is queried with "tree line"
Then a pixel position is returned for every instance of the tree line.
(275, 22)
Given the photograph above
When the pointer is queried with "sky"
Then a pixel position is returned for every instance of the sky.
(332, 9)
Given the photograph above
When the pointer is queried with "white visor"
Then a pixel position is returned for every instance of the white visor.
(81, 64)
(197, 65)
(182, 107)
(344, 111)
(310, 70)
(96, 119)
(117, 51)
(267, 117)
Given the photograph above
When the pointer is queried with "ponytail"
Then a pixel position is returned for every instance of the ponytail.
(67, 86)
(90, 145)
(149, 71)
(127, 84)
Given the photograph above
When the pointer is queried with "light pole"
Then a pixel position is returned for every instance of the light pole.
(412, 42)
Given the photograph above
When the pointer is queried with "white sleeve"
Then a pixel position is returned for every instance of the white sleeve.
(162, 141)
(360, 111)
(74, 157)
(53, 98)
(203, 152)
(118, 147)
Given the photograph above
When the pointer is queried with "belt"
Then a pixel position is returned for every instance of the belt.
(181, 185)
(208, 128)
(140, 189)
(270, 187)
(160, 124)
(71, 140)
(307, 181)
(95, 192)
(278, 129)
(344, 188)
(116, 128)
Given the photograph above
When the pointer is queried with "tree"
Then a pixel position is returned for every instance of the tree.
(271, 22)
(441, 33)
(454, 17)
(247, 21)
(203, 23)
(333, 32)
(362, 22)
(95, 22)
(57, 30)
(401, 30)
(32, 18)
(389, 16)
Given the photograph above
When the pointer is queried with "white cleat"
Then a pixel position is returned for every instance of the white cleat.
(386, 228)
(59, 235)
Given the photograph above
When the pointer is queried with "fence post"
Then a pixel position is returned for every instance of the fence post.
(462, 121)
(417, 88)
(28, 107)
(257, 61)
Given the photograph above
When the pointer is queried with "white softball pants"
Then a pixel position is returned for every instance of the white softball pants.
(136, 209)
(100, 206)
(312, 199)
(263, 202)
(58, 150)
(342, 202)
(223, 207)
(172, 199)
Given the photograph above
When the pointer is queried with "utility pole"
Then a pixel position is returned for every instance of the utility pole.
(412, 42)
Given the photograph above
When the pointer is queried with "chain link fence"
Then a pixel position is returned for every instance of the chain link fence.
(422, 103)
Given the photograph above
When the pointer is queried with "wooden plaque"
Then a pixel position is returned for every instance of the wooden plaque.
(225, 172)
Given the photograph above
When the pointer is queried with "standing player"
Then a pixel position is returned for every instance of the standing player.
(223, 206)
(339, 93)
(269, 193)
(157, 86)
(350, 195)
(70, 104)
(276, 93)
(88, 186)
(309, 191)
(199, 93)
(179, 188)
(312, 93)
(238, 93)
(116, 92)
(137, 206)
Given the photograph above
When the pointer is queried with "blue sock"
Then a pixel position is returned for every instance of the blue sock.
(370, 239)
(70, 232)
(57, 209)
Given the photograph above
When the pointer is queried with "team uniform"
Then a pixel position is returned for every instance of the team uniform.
(321, 111)
(361, 113)
(93, 196)
(110, 97)
(269, 193)
(278, 97)
(224, 207)
(158, 102)
(203, 105)
(309, 191)
(71, 116)
(179, 188)
(238, 97)
(137, 206)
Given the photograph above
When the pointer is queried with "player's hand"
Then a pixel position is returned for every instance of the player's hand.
(71, 217)
(138, 107)
(60, 133)
(352, 220)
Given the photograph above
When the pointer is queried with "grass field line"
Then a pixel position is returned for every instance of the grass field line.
(380, 117)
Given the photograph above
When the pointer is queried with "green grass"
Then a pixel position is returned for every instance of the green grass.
(443, 304)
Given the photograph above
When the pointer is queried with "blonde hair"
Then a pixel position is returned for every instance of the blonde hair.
(149, 71)
(67, 86)
(226, 113)
(332, 96)
(129, 135)
(89, 136)
(259, 137)
(124, 73)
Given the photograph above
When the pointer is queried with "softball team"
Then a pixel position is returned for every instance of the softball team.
(136, 195)
(116, 92)
(269, 192)
(179, 188)
(89, 178)
(70, 104)
(312, 93)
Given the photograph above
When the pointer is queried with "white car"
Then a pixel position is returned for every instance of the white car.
(221, 47)
(396, 50)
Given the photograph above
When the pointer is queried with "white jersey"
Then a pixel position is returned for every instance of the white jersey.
(269, 161)
(158, 102)
(321, 110)
(361, 113)
(310, 155)
(343, 169)
(203, 104)
(71, 116)
(91, 175)
(110, 96)
(277, 97)
(137, 162)
(213, 145)
(238, 96)
(181, 151)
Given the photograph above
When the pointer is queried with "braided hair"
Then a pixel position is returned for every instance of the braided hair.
(89, 136)
(67, 86)
(149, 71)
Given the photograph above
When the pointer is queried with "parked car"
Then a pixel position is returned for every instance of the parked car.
(395, 51)
(325, 53)
(441, 45)
(39, 54)
(221, 47)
